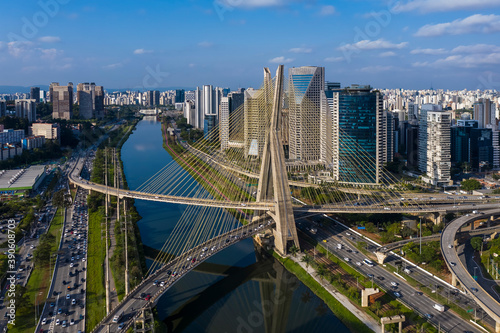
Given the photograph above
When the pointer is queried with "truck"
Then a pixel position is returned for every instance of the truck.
(117, 317)
(439, 307)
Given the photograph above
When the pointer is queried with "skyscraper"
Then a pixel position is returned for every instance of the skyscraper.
(211, 99)
(3, 108)
(90, 98)
(26, 108)
(62, 101)
(35, 94)
(179, 96)
(484, 112)
(422, 134)
(305, 87)
(354, 141)
(438, 150)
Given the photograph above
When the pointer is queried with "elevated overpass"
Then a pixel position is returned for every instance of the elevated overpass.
(459, 271)
(172, 272)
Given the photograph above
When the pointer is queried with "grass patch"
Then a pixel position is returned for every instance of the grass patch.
(35, 293)
(96, 292)
(349, 319)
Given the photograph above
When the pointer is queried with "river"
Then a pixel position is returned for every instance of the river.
(256, 295)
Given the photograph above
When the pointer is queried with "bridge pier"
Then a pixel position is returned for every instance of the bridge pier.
(497, 327)
(381, 256)
(454, 280)
(437, 218)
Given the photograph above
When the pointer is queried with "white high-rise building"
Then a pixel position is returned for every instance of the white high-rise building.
(26, 108)
(224, 123)
(422, 134)
(485, 113)
(305, 87)
(438, 148)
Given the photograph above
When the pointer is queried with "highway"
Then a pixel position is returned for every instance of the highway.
(266, 206)
(66, 301)
(456, 266)
(148, 292)
(415, 300)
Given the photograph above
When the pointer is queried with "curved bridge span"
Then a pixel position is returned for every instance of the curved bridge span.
(173, 271)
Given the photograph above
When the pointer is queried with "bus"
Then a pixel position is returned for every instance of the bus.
(368, 262)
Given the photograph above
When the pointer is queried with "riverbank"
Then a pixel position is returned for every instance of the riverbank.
(97, 249)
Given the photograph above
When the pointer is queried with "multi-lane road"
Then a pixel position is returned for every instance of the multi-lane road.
(65, 306)
(417, 301)
(460, 271)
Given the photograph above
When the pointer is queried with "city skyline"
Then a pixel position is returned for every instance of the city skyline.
(411, 45)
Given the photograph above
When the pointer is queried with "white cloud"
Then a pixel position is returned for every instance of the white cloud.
(372, 45)
(192, 65)
(334, 59)
(429, 51)
(327, 10)
(473, 24)
(376, 69)
(280, 60)
(426, 6)
(142, 51)
(300, 50)
(49, 39)
(463, 61)
(250, 3)
(387, 54)
(113, 66)
(478, 48)
(205, 44)
(49, 54)
(18, 49)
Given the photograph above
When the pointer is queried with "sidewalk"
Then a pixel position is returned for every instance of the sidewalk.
(365, 318)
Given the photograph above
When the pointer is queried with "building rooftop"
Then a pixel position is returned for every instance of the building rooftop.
(19, 179)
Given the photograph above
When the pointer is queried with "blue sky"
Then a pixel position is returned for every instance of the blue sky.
(410, 44)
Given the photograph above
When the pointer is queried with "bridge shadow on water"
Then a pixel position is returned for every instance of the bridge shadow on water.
(279, 303)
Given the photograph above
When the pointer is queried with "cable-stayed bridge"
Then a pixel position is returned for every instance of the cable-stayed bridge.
(237, 183)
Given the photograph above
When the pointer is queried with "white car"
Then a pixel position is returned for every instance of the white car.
(44, 321)
(450, 246)
(58, 321)
(347, 259)
(358, 263)
(394, 284)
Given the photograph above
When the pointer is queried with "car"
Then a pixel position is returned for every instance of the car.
(162, 283)
(358, 263)
(58, 321)
(204, 249)
(347, 259)
(121, 326)
(381, 278)
(189, 258)
(394, 284)
(428, 316)
(348, 234)
(59, 311)
(143, 295)
(64, 323)
(452, 264)
(370, 275)
(68, 296)
(396, 294)
(155, 283)
(52, 305)
(71, 322)
(474, 290)
(450, 246)
(83, 259)
(44, 321)
(73, 301)
(148, 297)
(71, 265)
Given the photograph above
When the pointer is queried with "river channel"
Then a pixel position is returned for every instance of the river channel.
(256, 295)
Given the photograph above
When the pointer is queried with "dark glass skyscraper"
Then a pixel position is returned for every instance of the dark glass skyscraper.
(355, 133)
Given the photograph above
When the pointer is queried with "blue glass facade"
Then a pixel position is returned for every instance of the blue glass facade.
(300, 83)
(357, 136)
(209, 124)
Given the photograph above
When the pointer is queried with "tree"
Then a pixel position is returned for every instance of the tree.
(293, 250)
(321, 271)
(476, 243)
(377, 306)
(470, 185)
(307, 259)
(61, 199)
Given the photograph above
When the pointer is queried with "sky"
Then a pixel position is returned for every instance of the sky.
(408, 44)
